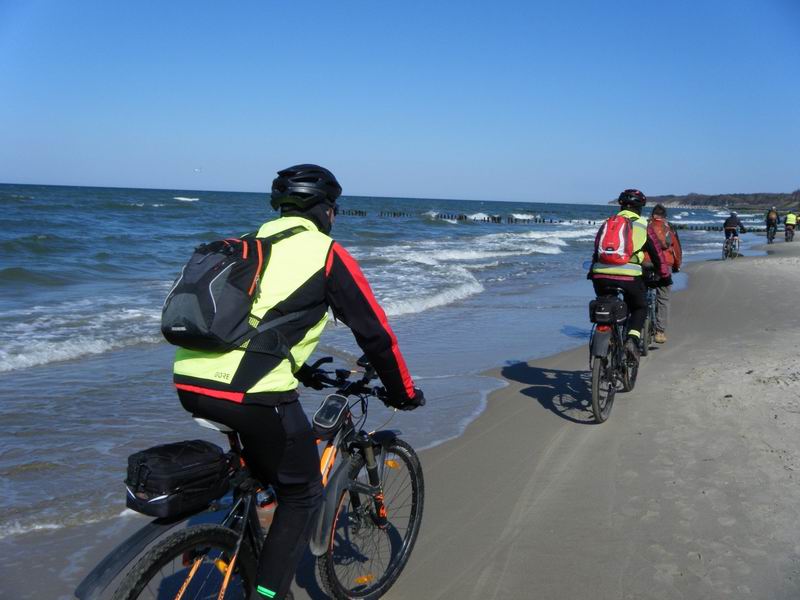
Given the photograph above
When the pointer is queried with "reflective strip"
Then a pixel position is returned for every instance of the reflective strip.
(628, 269)
(266, 592)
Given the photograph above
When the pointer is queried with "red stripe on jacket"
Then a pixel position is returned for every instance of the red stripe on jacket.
(358, 276)
(237, 397)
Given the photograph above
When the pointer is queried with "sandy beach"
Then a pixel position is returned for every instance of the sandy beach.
(690, 489)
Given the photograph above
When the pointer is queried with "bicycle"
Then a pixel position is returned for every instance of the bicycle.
(771, 231)
(730, 249)
(611, 369)
(364, 533)
(788, 234)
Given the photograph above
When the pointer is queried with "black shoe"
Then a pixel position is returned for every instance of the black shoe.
(632, 349)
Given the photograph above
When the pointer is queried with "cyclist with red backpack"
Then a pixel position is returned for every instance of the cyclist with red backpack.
(619, 250)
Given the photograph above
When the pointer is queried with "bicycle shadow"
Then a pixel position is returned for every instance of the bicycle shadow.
(306, 577)
(568, 394)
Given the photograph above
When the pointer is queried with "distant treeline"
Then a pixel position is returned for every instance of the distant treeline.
(744, 201)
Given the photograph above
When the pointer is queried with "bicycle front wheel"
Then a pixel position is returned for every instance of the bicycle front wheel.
(366, 554)
(192, 564)
(603, 389)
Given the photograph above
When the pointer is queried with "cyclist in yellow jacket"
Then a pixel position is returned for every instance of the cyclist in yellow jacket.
(629, 277)
(790, 224)
(254, 392)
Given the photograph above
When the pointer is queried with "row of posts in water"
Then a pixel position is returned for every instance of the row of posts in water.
(498, 219)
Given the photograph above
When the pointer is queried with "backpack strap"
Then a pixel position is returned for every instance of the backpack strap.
(287, 318)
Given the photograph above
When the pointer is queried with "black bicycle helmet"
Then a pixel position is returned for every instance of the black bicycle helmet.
(633, 198)
(303, 186)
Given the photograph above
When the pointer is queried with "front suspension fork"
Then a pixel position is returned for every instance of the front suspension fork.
(374, 489)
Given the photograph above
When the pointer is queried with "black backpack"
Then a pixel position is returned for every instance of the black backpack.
(208, 307)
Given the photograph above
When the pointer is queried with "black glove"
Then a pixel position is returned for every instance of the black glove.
(405, 403)
(308, 377)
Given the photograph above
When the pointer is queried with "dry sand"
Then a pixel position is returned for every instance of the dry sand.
(690, 490)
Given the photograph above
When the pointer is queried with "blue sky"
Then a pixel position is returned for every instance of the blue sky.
(566, 101)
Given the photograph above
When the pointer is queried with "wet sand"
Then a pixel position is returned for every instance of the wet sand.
(690, 489)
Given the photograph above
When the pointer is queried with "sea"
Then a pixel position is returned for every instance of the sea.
(85, 377)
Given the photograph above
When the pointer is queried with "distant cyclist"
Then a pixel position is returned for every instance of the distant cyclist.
(607, 276)
(733, 226)
(771, 220)
(790, 223)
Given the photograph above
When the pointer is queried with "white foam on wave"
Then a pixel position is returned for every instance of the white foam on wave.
(17, 528)
(42, 353)
(449, 296)
(478, 216)
(185, 199)
(525, 216)
(459, 255)
(44, 334)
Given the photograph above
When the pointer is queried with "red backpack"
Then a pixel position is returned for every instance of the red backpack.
(614, 242)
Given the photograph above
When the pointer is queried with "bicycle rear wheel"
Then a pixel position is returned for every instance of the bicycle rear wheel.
(630, 371)
(364, 559)
(604, 389)
(191, 564)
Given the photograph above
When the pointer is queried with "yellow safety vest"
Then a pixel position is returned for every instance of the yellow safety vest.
(293, 263)
(791, 219)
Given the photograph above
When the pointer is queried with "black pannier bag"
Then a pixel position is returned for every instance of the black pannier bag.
(175, 479)
(607, 310)
(209, 305)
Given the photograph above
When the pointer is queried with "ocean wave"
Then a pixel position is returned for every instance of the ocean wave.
(23, 276)
(525, 216)
(39, 244)
(459, 255)
(419, 304)
(44, 334)
(14, 528)
(42, 353)
(185, 199)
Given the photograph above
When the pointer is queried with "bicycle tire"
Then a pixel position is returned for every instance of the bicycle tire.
(629, 375)
(345, 536)
(202, 538)
(602, 402)
(646, 335)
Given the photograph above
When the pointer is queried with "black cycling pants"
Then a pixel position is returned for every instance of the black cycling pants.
(279, 447)
(635, 292)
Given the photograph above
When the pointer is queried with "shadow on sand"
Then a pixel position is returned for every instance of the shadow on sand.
(566, 393)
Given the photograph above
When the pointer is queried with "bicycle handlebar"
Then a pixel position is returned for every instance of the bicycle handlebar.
(342, 381)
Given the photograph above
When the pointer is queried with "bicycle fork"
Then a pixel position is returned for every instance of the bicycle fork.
(374, 488)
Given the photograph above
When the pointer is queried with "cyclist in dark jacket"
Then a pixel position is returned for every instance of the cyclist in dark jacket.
(254, 392)
(733, 226)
